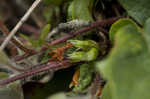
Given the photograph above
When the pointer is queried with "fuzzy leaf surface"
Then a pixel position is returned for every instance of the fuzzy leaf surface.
(127, 67)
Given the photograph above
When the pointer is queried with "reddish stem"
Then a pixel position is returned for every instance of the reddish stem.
(5, 30)
(48, 66)
(93, 25)
(85, 29)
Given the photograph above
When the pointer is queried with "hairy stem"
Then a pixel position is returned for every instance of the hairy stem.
(93, 25)
(47, 66)
(85, 29)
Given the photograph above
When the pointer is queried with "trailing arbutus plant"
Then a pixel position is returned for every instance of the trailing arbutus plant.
(75, 49)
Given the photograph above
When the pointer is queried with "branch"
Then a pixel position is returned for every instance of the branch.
(23, 19)
(14, 40)
(47, 66)
(64, 27)
(85, 29)
(93, 25)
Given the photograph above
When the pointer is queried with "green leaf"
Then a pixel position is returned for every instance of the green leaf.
(58, 96)
(70, 8)
(4, 58)
(79, 9)
(127, 67)
(12, 90)
(53, 2)
(89, 50)
(117, 25)
(92, 54)
(77, 56)
(41, 39)
(138, 9)
(84, 56)
(84, 44)
(44, 34)
(147, 32)
(64, 96)
(85, 78)
(29, 39)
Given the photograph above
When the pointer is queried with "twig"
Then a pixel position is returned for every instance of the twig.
(31, 29)
(103, 30)
(71, 25)
(14, 40)
(48, 66)
(94, 25)
(85, 29)
(95, 85)
(24, 18)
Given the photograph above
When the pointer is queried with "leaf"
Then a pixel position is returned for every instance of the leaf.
(41, 39)
(84, 44)
(127, 67)
(12, 90)
(89, 50)
(3, 59)
(85, 78)
(58, 96)
(70, 8)
(29, 39)
(147, 32)
(138, 9)
(77, 56)
(79, 9)
(84, 56)
(44, 34)
(116, 26)
(64, 96)
(53, 2)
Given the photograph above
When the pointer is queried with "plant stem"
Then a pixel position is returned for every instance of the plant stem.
(93, 25)
(47, 66)
(15, 41)
(24, 18)
(95, 85)
(85, 29)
